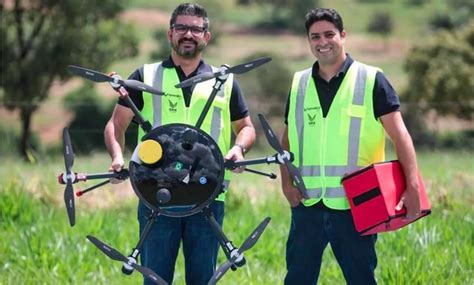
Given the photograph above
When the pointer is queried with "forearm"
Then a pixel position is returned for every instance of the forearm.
(244, 133)
(246, 137)
(403, 143)
(406, 155)
(114, 139)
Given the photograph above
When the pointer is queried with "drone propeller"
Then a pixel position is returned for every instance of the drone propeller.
(248, 244)
(238, 69)
(100, 77)
(116, 255)
(69, 192)
(283, 155)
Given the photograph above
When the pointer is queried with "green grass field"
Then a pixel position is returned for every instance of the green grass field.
(39, 247)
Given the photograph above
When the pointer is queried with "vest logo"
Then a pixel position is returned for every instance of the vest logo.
(311, 120)
(172, 106)
(317, 108)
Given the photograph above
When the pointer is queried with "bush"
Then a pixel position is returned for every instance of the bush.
(440, 74)
(266, 88)
(90, 116)
(381, 23)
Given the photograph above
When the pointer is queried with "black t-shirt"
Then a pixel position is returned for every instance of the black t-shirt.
(238, 107)
(385, 98)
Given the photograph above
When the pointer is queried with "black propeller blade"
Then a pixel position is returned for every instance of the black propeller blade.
(238, 69)
(116, 255)
(101, 77)
(248, 244)
(292, 170)
(253, 238)
(69, 191)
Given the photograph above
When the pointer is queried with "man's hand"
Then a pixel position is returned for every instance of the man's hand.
(120, 90)
(411, 200)
(292, 195)
(117, 166)
(235, 154)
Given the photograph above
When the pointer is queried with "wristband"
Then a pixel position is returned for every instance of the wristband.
(241, 147)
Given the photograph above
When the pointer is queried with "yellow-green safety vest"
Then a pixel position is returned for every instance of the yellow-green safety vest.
(171, 108)
(347, 139)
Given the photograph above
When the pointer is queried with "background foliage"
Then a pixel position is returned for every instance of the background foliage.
(426, 63)
(40, 38)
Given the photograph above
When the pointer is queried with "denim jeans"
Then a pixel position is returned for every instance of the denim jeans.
(312, 228)
(200, 244)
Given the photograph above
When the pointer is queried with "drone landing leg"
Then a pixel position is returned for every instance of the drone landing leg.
(81, 192)
(127, 269)
(226, 244)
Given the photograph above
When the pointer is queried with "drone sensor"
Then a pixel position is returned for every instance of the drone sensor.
(150, 151)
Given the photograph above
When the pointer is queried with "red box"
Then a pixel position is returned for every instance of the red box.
(373, 193)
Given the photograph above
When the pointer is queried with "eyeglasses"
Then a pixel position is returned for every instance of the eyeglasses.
(182, 29)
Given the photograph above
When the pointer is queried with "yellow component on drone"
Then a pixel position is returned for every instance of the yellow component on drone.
(150, 152)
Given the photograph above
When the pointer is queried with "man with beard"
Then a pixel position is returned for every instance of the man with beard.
(336, 116)
(188, 35)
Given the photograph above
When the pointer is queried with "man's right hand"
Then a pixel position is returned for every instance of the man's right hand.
(116, 166)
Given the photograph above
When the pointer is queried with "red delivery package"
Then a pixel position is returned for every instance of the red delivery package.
(373, 193)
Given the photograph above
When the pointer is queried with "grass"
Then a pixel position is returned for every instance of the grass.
(39, 247)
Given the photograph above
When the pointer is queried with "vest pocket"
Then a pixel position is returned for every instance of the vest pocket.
(349, 116)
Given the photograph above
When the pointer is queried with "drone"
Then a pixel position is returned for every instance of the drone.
(176, 170)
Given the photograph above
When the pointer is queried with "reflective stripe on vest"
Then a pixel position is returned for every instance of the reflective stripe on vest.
(361, 88)
(154, 108)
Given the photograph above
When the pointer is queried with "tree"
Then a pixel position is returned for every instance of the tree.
(440, 75)
(38, 39)
(382, 25)
(457, 14)
(288, 13)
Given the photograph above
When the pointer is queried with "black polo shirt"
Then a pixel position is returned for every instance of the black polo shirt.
(238, 107)
(385, 98)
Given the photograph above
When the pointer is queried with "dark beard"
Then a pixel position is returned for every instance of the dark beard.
(188, 53)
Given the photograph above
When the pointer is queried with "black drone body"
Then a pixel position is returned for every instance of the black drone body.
(176, 170)
(186, 178)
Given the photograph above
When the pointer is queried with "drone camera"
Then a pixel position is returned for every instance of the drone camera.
(163, 196)
(189, 138)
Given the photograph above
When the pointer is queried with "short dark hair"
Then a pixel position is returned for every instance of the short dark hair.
(190, 9)
(323, 14)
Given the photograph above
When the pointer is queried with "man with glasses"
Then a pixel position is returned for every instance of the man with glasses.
(188, 35)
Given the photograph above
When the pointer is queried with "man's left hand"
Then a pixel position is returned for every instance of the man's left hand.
(235, 154)
(411, 200)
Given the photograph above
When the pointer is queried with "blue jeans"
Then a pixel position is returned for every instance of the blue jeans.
(312, 228)
(200, 244)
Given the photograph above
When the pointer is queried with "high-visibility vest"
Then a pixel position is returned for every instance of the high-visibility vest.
(347, 139)
(171, 108)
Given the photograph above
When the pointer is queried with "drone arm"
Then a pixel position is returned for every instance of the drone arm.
(145, 125)
(230, 164)
(220, 80)
(122, 175)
